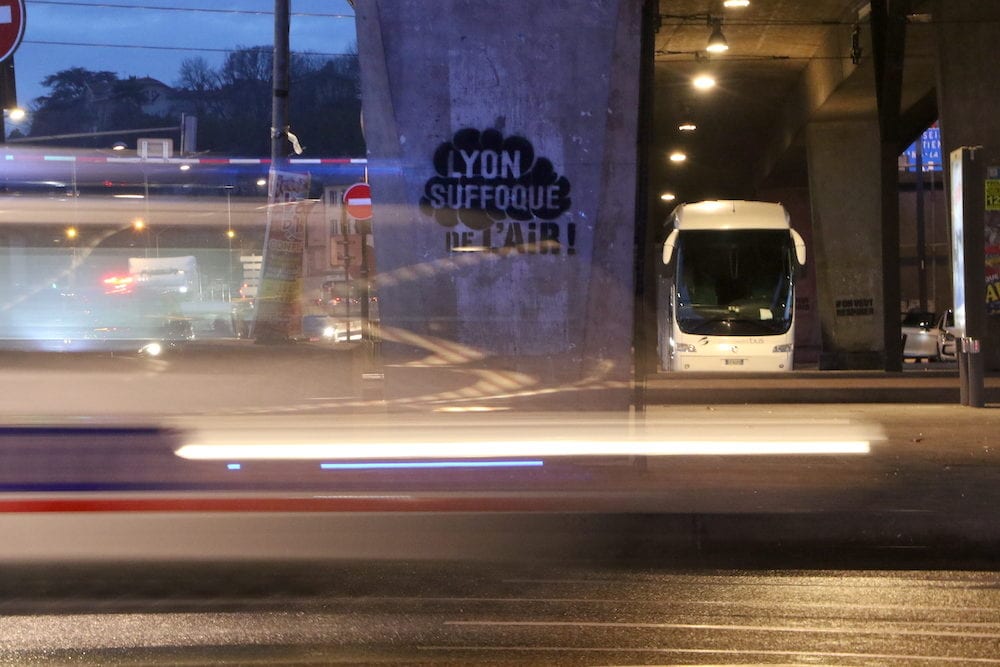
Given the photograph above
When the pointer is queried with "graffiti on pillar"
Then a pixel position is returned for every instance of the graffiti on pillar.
(494, 194)
(855, 307)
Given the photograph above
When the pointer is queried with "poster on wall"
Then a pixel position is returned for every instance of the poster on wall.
(993, 280)
(992, 219)
(278, 305)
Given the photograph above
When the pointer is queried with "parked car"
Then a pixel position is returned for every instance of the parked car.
(946, 343)
(920, 338)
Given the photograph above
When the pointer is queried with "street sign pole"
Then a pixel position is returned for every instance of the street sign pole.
(267, 328)
(358, 204)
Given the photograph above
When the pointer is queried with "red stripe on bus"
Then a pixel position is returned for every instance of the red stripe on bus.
(285, 504)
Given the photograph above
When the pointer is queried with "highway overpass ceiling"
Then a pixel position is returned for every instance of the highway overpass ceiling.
(788, 61)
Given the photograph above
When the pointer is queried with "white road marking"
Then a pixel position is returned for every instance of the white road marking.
(798, 655)
(729, 628)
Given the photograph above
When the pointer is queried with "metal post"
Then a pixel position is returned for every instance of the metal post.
(921, 230)
(963, 371)
(346, 243)
(970, 367)
(644, 317)
(365, 282)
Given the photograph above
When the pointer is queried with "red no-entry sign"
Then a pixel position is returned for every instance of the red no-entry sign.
(358, 200)
(11, 26)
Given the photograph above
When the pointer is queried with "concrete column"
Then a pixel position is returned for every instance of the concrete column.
(968, 32)
(844, 184)
(502, 159)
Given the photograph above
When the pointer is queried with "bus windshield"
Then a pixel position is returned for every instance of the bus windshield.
(734, 282)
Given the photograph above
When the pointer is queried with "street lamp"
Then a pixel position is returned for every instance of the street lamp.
(717, 41)
(14, 115)
(703, 82)
(71, 235)
(156, 239)
(230, 235)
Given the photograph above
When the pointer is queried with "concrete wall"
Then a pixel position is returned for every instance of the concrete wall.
(969, 98)
(504, 94)
(844, 185)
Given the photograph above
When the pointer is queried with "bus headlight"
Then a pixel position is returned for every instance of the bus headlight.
(783, 348)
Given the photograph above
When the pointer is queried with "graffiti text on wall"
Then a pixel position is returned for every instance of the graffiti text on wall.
(855, 307)
(504, 196)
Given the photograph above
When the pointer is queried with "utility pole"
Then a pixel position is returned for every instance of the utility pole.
(270, 320)
(280, 77)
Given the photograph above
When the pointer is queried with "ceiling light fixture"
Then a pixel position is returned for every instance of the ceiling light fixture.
(736, 4)
(668, 196)
(678, 156)
(716, 40)
(687, 127)
(703, 82)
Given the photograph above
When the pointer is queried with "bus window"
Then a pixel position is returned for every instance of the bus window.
(734, 282)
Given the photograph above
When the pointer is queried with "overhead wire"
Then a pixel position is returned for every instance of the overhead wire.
(153, 47)
(204, 10)
(169, 48)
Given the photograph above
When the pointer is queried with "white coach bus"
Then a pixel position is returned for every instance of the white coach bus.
(728, 293)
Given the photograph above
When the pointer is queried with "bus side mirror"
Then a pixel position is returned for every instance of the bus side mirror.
(668, 247)
(800, 248)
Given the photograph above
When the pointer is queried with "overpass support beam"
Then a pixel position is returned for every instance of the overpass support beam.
(846, 196)
(503, 142)
(888, 40)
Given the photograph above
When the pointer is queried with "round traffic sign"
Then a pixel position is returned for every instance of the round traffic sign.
(11, 26)
(358, 200)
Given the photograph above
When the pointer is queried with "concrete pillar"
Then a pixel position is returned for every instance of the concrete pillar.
(845, 190)
(969, 104)
(502, 160)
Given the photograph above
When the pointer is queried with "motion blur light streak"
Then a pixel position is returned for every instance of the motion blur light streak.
(412, 465)
(505, 448)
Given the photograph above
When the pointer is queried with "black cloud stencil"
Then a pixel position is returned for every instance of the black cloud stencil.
(482, 177)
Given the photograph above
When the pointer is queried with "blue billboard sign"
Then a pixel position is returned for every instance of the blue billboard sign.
(929, 144)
